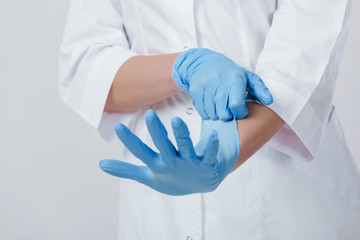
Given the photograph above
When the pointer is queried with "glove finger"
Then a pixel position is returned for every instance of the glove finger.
(258, 88)
(182, 136)
(135, 145)
(159, 136)
(197, 97)
(221, 100)
(126, 170)
(209, 104)
(237, 100)
(211, 149)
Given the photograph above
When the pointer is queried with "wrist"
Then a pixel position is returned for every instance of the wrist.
(169, 71)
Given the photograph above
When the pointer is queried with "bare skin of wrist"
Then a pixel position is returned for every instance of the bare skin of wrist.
(141, 81)
(144, 80)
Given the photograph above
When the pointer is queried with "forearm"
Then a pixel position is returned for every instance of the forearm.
(144, 80)
(259, 127)
(141, 81)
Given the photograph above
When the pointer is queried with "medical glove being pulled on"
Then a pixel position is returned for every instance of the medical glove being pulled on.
(184, 170)
(217, 85)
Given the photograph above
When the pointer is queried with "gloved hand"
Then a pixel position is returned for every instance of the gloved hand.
(229, 143)
(178, 171)
(217, 85)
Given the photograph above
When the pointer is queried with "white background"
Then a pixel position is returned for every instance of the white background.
(50, 183)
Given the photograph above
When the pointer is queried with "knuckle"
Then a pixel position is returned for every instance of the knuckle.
(225, 116)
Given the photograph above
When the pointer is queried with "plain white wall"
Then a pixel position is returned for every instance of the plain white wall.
(50, 183)
(347, 98)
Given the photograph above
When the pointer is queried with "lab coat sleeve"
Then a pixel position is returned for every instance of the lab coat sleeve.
(299, 64)
(94, 47)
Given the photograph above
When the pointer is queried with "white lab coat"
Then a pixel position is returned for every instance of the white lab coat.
(295, 46)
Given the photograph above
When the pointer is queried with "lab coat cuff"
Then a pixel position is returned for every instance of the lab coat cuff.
(98, 84)
(301, 135)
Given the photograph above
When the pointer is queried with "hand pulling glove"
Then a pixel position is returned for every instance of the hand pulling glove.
(217, 85)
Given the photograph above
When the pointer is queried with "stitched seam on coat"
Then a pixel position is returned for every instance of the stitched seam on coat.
(260, 195)
(243, 34)
(140, 28)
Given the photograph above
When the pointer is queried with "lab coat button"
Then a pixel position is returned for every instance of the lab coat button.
(189, 111)
(189, 238)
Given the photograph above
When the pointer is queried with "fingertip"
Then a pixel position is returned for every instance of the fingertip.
(119, 128)
(238, 110)
(179, 127)
(214, 118)
(152, 119)
(109, 167)
(242, 114)
(105, 164)
(270, 99)
(266, 96)
(150, 114)
(176, 122)
(225, 116)
(101, 162)
(224, 119)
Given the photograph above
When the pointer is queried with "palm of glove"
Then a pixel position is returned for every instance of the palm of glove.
(179, 171)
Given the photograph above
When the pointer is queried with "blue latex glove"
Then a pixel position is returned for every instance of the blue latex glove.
(229, 143)
(216, 84)
(179, 171)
